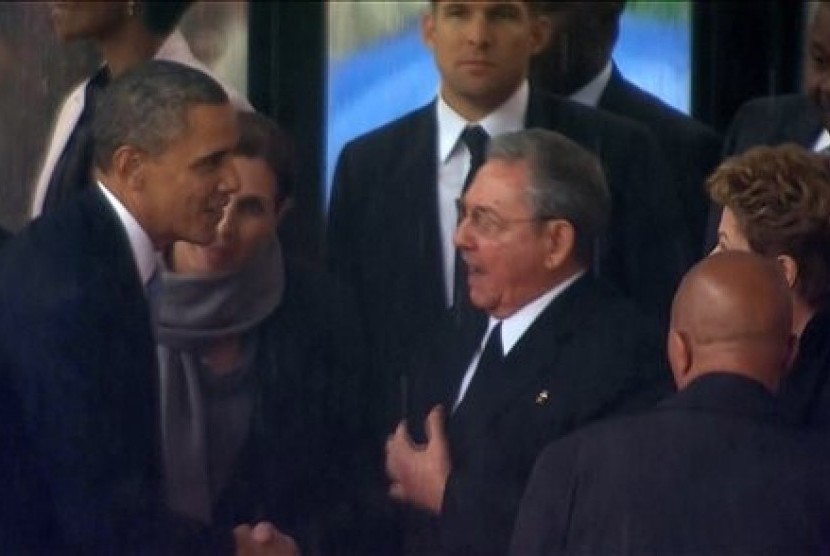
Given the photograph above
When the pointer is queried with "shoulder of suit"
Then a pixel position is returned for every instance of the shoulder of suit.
(390, 135)
(598, 305)
(777, 104)
(554, 111)
(634, 102)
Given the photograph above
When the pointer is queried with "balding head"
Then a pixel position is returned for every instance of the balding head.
(732, 313)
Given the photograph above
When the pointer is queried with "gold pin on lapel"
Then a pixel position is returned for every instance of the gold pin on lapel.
(542, 397)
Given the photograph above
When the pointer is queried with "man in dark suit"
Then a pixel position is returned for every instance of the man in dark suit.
(77, 352)
(392, 216)
(711, 470)
(800, 118)
(560, 349)
(577, 63)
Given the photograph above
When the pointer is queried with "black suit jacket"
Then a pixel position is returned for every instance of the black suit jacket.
(710, 471)
(587, 356)
(384, 240)
(773, 121)
(78, 363)
(804, 395)
(691, 149)
(766, 121)
(302, 465)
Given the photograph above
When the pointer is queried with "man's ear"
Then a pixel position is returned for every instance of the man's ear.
(128, 164)
(428, 27)
(790, 269)
(561, 237)
(541, 27)
(680, 357)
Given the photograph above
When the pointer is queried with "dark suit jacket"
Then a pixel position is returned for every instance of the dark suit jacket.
(384, 240)
(299, 466)
(78, 361)
(766, 121)
(710, 471)
(5, 235)
(773, 121)
(805, 392)
(691, 149)
(589, 354)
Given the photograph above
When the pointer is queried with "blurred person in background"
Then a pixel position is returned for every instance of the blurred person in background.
(577, 63)
(126, 33)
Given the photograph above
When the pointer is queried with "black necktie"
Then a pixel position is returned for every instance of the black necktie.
(475, 138)
(487, 368)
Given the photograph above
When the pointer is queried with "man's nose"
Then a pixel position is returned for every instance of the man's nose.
(229, 182)
(463, 237)
(478, 30)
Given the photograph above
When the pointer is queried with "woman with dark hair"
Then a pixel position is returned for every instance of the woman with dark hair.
(259, 365)
(126, 33)
(776, 202)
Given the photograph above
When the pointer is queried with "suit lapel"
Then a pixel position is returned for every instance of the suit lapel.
(415, 204)
(804, 125)
(117, 274)
(534, 355)
(614, 93)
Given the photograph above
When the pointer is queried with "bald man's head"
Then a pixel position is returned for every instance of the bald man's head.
(733, 313)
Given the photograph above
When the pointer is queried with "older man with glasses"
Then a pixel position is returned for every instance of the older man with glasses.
(558, 349)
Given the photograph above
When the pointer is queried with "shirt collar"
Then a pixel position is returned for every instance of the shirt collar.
(174, 47)
(142, 248)
(508, 117)
(822, 142)
(514, 326)
(590, 93)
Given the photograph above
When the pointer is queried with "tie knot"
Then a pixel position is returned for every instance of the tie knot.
(475, 138)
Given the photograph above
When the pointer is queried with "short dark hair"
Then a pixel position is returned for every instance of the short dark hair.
(147, 107)
(260, 137)
(161, 18)
(536, 6)
(780, 197)
(566, 181)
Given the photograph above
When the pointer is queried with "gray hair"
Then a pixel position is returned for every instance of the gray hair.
(147, 108)
(566, 181)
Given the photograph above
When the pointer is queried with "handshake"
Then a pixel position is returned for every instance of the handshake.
(263, 539)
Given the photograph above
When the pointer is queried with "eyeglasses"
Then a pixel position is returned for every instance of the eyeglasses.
(487, 222)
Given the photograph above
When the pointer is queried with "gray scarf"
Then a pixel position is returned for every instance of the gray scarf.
(191, 312)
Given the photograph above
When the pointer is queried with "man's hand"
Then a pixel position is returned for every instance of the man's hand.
(263, 539)
(418, 472)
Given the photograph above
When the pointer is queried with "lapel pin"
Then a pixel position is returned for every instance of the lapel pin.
(542, 397)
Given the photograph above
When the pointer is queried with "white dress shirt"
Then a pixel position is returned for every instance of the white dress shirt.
(512, 329)
(590, 94)
(822, 142)
(141, 247)
(454, 163)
